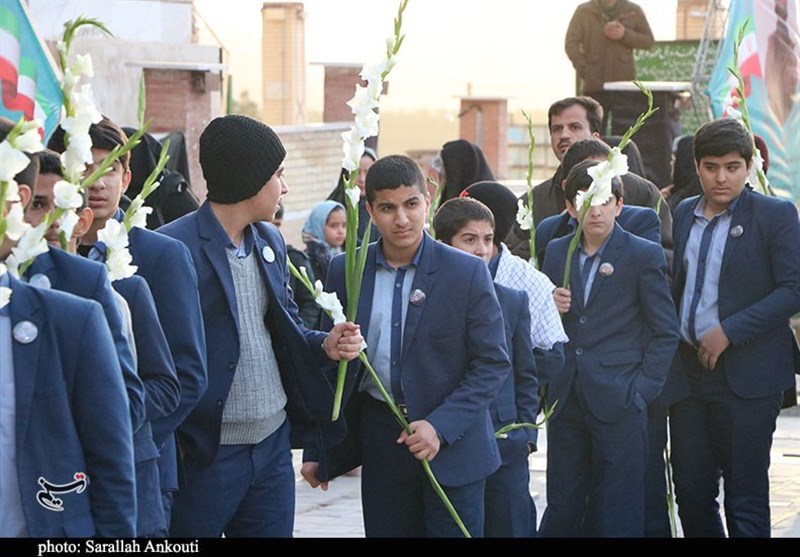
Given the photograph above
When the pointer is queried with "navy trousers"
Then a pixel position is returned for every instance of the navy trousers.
(510, 510)
(247, 492)
(396, 495)
(714, 431)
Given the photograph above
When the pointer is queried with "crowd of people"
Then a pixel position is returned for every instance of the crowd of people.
(168, 403)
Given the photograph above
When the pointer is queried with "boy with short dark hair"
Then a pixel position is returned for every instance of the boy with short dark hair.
(468, 225)
(622, 328)
(435, 336)
(736, 283)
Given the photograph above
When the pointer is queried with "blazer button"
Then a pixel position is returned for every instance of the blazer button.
(582, 320)
(578, 351)
(231, 365)
(219, 404)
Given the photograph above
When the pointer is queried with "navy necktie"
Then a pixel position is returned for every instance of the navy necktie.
(705, 245)
(586, 270)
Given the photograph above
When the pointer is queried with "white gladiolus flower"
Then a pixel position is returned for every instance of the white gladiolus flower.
(30, 140)
(353, 148)
(67, 223)
(77, 155)
(618, 162)
(12, 161)
(83, 65)
(12, 192)
(367, 123)
(329, 301)
(353, 195)
(524, 216)
(113, 235)
(363, 101)
(5, 296)
(67, 195)
(139, 218)
(119, 265)
(374, 71)
(31, 244)
(16, 226)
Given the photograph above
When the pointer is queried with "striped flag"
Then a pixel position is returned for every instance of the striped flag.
(29, 79)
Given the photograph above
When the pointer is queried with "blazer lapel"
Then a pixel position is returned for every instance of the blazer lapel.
(213, 238)
(423, 281)
(25, 307)
(740, 217)
(575, 279)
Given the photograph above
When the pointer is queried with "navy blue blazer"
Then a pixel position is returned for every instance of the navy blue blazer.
(88, 279)
(71, 418)
(518, 398)
(623, 339)
(759, 291)
(455, 358)
(298, 350)
(640, 221)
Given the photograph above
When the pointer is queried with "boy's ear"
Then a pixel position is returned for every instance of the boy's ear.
(126, 180)
(85, 220)
(25, 194)
(571, 209)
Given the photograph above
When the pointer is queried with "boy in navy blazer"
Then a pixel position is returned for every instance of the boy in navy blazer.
(65, 425)
(167, 267)
(736, 282)
(435, 335)
(623, 334)
(265, 387)
(153, 363)
(468, 225)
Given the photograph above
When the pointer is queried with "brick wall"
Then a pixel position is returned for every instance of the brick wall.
(181, 100)
(283, 63)
(313, 163)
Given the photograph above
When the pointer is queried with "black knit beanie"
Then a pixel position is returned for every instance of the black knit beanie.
(501, 202)
(238, 155)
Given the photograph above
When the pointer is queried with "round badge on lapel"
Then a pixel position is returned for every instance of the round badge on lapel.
(40, 281)
(606, 269)
(25, 332)
(737, 231)
(268, 254)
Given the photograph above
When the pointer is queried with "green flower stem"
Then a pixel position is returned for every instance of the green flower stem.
(435, 202)
(149, 184)
(673, 520)
(529, 177)
(301, 276)
(502, 433)
(637, 125)
(425, 464)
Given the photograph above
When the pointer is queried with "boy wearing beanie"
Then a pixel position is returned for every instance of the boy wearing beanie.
(263, 364)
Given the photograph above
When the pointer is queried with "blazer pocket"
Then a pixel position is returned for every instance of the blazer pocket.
(505, 413)
(621, 358)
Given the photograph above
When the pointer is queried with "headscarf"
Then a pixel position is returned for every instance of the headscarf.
(464, 165)
(314, 228)
(500, 200)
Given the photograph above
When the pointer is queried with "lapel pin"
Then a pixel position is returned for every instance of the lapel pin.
(736, 231)
(417, 297)
(25, 332)
(268, 254)
(40, 281)
(606, 269)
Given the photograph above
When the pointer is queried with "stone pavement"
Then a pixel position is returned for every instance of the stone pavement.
(336, 513)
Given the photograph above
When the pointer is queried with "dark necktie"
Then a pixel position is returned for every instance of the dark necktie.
(705, 245)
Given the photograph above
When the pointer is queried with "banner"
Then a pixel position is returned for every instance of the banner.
(769, 60)
(28, 79)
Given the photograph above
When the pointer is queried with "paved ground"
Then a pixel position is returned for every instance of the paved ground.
(337, 512)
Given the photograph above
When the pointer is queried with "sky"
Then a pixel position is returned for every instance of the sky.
(453, 48)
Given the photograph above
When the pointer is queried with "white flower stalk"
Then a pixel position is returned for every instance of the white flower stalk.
(353, 147)
(367, 123)
(5, 296)
(757, 169)
(139, 218)
(363, 100)
(119, 265)
(67, 222)
(67, 195)
(83, 65)
(524, 216)
(31, 244)
(353, 196)
(16, 226)
(113, 235)
(329, 302)
(30, 140)
(12, 161)
(77, 155)
(12, 192)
